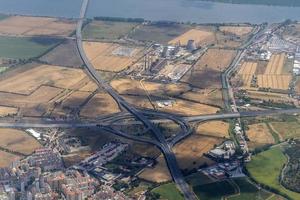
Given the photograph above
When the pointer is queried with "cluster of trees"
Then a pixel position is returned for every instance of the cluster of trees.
(291, 174)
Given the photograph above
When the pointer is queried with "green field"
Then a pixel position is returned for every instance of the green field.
(248, 191)
(3, 69)
(266, 167)
(24, 48)
(107, 30)
(214, 191)
(287, 129)
(168, 192)
(261, 2)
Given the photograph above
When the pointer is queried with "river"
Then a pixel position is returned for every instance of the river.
(173, 10)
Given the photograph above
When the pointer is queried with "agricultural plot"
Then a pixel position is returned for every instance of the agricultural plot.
(100, 104)
(201, 37)
(5, 111)
(139, 101)
(36, 26)
(189, 152)
(158, 174)
(107, 30)
(214, 129)
(260, 134)
(206, 96)
(66, 54)
(30, 80)
(18, 141)
(7, 159)
(111, 57)
(266, 167)
(287, 130)
(188, 108)
(280, 82)
(207, 71)
(134, 87)
(25, 48)
(246, 72)
(274, 77)
(161, 33)
(168, 192)
(76, 99)
(237, 30)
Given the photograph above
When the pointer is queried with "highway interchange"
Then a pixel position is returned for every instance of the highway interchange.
(148, 118)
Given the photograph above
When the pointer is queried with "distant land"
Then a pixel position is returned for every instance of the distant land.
(291, 3)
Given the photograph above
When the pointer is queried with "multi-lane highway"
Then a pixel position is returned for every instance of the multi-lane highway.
(165, 148)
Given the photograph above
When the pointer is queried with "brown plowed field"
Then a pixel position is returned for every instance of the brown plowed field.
(247, 71)
(103, 58)
(280, 82)
(276, 64)
(7, 159)
(36, 26)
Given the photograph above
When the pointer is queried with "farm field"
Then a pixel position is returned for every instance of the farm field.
(260, 133)
(266, 167)
(206, 74)
(214, 128)
(100, 104)
(215, 59)
(134, 87)
(280, 82)
(28, 81)
(208, 191)
(237, 30)
(274, 77)
(25, 48)
(36, 26)
(75, 99)
(161, 33)
(246, 72)
(188, 108)
(201, 37)
(7, 159)
(111, 57)
(107, 30)
(5, 111)
(189, 152)
(139, 101)
(17, 140)
(168, 192)
(158, 174)
(268, 96)
(58, 55)
(287, 129)
(205, 96)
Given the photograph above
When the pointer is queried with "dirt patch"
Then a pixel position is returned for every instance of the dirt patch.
(214, 128)
(18, 141)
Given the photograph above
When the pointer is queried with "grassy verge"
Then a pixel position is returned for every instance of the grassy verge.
(25, 48)
(274, 134)
(168, 192)
(265, 168)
